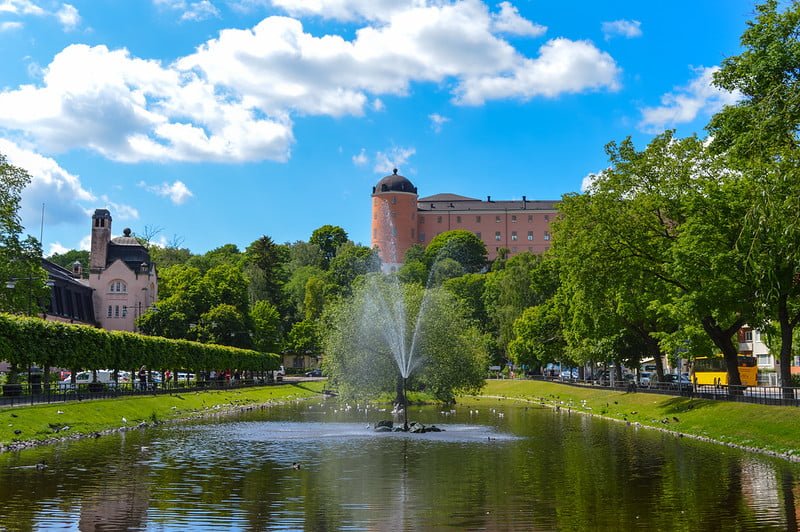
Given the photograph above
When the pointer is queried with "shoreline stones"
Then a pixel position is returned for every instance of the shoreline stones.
(415, 427)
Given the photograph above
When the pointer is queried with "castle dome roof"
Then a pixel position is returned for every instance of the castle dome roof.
(126, 239)
(394, 183)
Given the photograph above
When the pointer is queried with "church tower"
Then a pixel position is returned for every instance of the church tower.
(101, 236)
(394, 219)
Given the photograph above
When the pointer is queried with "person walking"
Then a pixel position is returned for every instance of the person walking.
(143, 378)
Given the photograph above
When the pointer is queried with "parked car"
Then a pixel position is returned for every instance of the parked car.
(644, 378)
(314, 373)
(104, 376)
(675, 380)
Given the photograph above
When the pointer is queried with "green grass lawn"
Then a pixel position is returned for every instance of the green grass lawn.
(771, 428)
(41, 422)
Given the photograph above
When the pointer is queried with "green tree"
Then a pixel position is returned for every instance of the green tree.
(760, 135)
(328, 238)
(443, 270)
(225, 283)
(68, 258)
(267, 270)
(462, 246)
(224, 324)
(469, 288)
(20, 258)
(266, 326)
(350, 262)
(538, 337)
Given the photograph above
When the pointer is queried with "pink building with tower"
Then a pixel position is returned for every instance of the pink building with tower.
(400, 219)
(122, 275)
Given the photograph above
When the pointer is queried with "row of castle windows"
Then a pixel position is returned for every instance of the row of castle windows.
(497, 235)
(114, 311)
(497, 219)
(118, 287)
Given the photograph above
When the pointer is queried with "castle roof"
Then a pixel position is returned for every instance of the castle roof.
(453, 202)
(129, 250)
(394, 183)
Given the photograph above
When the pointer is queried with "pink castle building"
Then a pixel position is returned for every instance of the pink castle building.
(122, 275)
(400, 219)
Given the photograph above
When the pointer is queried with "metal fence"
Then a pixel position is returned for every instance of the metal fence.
(765, 395)
(29, 394)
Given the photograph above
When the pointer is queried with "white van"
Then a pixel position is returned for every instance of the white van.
(104, 376)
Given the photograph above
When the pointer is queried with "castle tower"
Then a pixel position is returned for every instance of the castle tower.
(101, 236)
(394, 218)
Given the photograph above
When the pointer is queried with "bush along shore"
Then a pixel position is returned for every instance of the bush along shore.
(770, 430)
(29, 426)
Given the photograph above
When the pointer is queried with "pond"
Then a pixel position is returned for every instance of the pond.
(497, 466)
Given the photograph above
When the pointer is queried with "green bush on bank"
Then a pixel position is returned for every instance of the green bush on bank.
(28, 341)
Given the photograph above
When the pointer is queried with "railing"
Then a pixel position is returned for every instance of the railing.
(59, 392)
(765, 395)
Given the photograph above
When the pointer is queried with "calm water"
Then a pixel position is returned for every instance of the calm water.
(505, 468)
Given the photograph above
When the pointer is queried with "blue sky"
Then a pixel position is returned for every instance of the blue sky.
(218, 121)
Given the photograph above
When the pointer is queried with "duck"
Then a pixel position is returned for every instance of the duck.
(295, 465)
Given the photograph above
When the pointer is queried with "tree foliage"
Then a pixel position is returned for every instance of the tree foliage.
(459, 245)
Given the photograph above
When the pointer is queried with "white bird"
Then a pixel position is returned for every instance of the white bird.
(124, 420)
(59, 411)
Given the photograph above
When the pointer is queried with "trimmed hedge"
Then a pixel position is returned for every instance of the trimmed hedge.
(27, 341)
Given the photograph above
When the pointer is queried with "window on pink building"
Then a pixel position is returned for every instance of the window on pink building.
(497, 235)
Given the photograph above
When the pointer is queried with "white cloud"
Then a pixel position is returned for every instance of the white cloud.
(56, 247)
(361, 158)
(684, 104)
(177, 192)
(191, 11)
(131, 109)
(622, 28)
(233, 99)
(86, 243)
(437, 121)
(563, 66)
(589, 180)
(20, 7)
(61, 192)
(8, 26)
(393, 158)
(68, 17)
(509, 21)
(120, 211)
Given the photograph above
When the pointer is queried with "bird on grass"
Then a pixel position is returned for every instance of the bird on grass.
(295, 465)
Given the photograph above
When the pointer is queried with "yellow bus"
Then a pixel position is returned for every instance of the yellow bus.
(714, 371)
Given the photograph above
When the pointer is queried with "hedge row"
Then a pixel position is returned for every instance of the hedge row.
(32, 341)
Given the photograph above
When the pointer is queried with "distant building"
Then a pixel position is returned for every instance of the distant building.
(400, 219)
(122, 275)
(71, 298)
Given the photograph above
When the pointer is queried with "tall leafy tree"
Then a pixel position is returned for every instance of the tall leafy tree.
(760, 136)
(267, 269)
(459, 245)
(328, 238)
(20, 257)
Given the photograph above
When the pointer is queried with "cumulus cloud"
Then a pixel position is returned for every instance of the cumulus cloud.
(177, 192)
(622, 28)
(361, 159)
(56, 247)
(685, 103)
(396, 157)
(68, 16)
(563, 66)
(20, 7)
(191, 11)
(509, 21)
(589, 180)
(62, 192)
(234, 97)
(437, 121)
(130, 109)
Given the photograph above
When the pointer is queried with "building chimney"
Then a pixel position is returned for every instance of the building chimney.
(488, 199)
(524, 202)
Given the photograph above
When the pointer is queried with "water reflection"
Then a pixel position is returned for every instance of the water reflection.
(507, 467)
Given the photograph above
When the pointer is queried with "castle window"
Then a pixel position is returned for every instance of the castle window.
(530, 217)
(530, 235)
(438, 219)
(394, 231)
(394, 200)
(422, 237)
(513, 235)
(497, 235)
(109, 312)
(478, 219)
(458, 219)
(513, 218)
(546, 235)
(478, 234)
(497, 219)
(422, 219)
(118, 286)
(546, 217)
(116, 311)
(124, 310)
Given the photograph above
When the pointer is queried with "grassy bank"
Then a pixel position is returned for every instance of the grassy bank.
(774, 429)
(43, 422)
